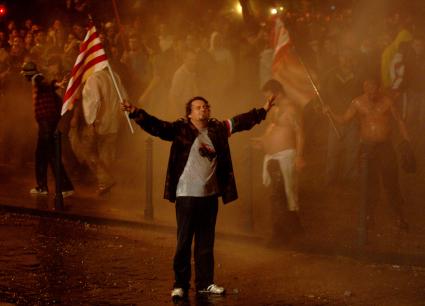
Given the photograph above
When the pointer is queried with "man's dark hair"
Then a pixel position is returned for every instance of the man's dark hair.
(189, 104)
(374, 78)
(274, 86)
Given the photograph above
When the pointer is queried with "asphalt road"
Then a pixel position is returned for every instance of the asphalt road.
(46, 261)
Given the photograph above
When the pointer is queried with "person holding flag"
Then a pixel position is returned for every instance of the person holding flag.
(199, 171)
(378, 161)
(101, 90)
(287, 67)
(101, 110)
(92, 58)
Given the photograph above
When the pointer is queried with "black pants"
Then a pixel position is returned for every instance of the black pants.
(378, 161)
(286, 223)
(196, 216)
(45, 155)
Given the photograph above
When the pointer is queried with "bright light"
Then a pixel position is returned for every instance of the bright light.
(2, 10)
(273, 11)
(281, 8)
(238, 8)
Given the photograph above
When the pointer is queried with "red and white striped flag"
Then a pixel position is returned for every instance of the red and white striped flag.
(287, 67)
(91, 58)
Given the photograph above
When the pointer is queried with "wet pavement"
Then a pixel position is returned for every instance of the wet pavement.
(47, 261)
(329, 218)
(103, 251)
(51, 261)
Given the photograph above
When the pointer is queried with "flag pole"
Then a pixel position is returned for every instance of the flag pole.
(118, 19)
(120, 96)
(115, 84)
(316, 90)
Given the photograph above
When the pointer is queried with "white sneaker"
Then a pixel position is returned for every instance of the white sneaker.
(213, 289)
(67, 193)
(177, 293)
(39, 191)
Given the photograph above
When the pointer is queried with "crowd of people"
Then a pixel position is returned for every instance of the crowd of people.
(374, 74)
(162, 64)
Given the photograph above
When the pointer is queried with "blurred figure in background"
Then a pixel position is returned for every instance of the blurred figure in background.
(340, 87)
(224, 67)
(56, 36)
(184, 84)
(101, 109)
(47, 106)
(415, 87)
(39, 50)
(283, 145)
(377, 156)
(137, 59)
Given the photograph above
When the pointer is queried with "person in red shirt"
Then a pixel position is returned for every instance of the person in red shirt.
(47, 107)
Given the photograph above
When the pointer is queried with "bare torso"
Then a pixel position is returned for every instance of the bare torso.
(280, 134)
(375, 118)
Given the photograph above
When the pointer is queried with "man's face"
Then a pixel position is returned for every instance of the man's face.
(40, 38)
(17, 44)
(29, 38)
(200, 111)
(370, 88)
(28, 23)
(345, 61)
(78, 31)
(133, 44)
(418, 46)
(57, 24)
(11, 26)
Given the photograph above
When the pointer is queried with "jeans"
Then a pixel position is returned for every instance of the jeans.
(98, 152)
(196, 216)
(378, 160)
(415, 122)
(285, 223)
(45, 155)
(342, 154)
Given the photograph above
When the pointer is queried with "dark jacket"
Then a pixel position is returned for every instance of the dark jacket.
(47, 103)
(183, 133)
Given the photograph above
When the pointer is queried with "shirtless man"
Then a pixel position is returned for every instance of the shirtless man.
(283, 144)
(377, 156)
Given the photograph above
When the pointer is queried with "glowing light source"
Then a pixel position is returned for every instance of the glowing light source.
(2, 10)
(238, 8)
(273, 11)
(281, 8)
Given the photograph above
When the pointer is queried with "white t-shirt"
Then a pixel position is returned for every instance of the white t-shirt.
(199, 178)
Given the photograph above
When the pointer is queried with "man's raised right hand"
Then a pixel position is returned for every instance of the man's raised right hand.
(127, 107)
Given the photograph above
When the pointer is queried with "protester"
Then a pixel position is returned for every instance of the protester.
(199, 171)
(47, 107)
(100, 102)
(184, 84)
(283, 145)
(377, 156)
(341, 85)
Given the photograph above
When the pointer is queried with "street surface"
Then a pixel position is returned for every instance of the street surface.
(54, 261)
